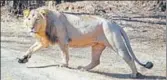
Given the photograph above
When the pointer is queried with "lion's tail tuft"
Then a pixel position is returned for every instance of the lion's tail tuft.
(148, 65)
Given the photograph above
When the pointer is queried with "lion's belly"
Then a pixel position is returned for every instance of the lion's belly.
(82, 42)
(86, 41)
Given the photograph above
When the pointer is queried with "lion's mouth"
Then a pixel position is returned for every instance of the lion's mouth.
(33, 31)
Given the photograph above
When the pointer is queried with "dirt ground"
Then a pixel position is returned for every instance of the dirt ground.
(146, 31)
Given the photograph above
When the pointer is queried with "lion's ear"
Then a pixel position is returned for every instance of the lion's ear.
(26, 12)
(43, 11)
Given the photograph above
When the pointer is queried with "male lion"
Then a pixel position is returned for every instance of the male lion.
(67, 30)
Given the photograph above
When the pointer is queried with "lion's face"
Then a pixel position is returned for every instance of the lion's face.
(36, 22)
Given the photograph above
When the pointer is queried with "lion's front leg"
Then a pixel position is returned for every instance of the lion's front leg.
(64, 55)
(96, 53)
(36, 46)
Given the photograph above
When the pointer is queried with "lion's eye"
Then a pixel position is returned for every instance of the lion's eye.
(37, 19)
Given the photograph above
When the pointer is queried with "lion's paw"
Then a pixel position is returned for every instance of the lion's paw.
(23, 59)
(82, 68)
(63, 65)
(137, 75)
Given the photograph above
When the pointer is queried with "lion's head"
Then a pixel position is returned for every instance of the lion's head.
(39, 24)
(36, 21)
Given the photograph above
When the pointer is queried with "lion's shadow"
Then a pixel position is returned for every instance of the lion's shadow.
(127, 76)
(114, 75)
(45, 66)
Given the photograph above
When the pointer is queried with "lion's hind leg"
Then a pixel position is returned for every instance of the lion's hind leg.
(122, 50)
(124, 54)
(96, 53)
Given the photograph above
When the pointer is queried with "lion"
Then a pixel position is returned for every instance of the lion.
(51, 27)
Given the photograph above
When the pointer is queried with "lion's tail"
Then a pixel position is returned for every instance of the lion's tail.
(148, 65)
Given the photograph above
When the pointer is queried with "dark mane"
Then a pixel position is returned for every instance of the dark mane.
(51, 30)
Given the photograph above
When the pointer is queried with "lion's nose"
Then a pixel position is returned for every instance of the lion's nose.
(33, 30)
